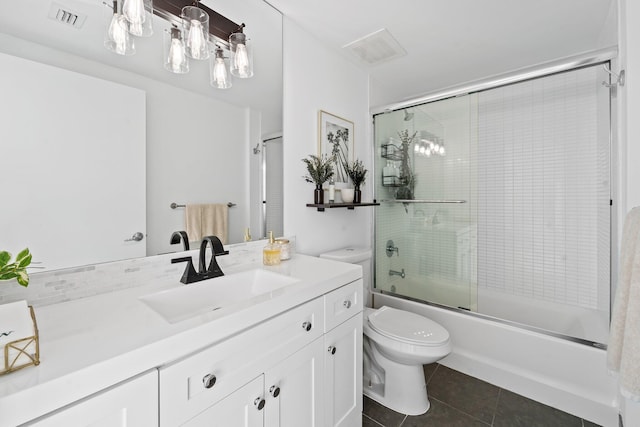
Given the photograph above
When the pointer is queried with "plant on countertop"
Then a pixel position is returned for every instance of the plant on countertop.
(357, 173)
(320, 169)
(17, 269)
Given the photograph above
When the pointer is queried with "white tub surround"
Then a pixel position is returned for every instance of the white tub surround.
(93, 343)
(563, 374)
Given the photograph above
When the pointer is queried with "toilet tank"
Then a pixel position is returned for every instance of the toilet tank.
(356, 255)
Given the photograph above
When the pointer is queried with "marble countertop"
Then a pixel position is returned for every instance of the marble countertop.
(89, 344)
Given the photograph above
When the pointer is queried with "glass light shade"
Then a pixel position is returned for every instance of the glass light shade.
(117, 38)
(195, 22)
(241, 55)
(139, 14)
(175, 57)
(219, 76)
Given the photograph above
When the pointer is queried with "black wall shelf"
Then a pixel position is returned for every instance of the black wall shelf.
(322, 206)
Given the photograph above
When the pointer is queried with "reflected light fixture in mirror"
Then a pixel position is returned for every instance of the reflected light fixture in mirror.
(194, 28)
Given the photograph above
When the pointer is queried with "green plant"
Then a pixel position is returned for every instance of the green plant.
(17, 269)
(320, 169)
(356, 172)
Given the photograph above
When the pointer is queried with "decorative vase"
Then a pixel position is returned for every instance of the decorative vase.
(357, 195)
(347, 195)
(318, 195)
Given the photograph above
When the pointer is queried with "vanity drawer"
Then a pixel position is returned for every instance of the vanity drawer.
(192, 385)
(343, 303)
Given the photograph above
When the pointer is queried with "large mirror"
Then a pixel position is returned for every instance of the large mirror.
(101, 145)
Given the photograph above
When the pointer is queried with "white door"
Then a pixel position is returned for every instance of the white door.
(73, 165)
(242, 408)
(343, 374)
(299, 380)
(134, 403)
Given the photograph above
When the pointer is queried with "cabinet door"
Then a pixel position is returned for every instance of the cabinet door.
(133, 403)
(343, 374)
(294, 389)
(242, 408)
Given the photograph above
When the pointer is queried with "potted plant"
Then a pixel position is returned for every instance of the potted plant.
(358, 174)
(320, 170)
(17, 269)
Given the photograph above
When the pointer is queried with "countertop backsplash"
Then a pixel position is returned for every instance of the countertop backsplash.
(52, 287)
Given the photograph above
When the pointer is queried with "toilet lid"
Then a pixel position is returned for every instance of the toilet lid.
(407, 326)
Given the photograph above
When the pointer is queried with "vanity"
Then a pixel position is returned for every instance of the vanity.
(287, 352)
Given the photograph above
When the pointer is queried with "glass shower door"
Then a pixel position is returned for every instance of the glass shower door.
(426, 224)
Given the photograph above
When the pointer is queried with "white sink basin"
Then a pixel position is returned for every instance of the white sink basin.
(212, 294)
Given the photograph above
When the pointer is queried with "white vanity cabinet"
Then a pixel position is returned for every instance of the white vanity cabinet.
(280, 373)
(343, 356)
(132, 403)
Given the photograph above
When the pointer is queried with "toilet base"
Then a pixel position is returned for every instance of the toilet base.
(404, 389)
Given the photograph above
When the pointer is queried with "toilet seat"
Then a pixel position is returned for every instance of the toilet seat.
(408, 327)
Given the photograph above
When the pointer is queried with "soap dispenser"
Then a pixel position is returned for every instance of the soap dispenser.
(271, 252)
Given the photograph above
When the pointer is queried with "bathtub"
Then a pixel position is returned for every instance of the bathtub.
(561, 373)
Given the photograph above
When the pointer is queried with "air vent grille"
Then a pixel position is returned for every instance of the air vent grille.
(66, 16)
(376, 48)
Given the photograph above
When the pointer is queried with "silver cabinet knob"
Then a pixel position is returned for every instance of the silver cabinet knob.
(347, 303)
(259, 403)
(274, 390)
(137, 236)
(331, 349)
(209, 380)
(306, 326)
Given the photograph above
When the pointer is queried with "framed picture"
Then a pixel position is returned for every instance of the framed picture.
(335, 138)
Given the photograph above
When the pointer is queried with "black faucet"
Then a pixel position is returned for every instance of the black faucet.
(180, 235)
(212, 270)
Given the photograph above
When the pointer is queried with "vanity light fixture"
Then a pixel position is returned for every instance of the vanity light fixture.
(196, 32)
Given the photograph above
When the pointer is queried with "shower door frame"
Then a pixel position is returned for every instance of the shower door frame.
(603, 56)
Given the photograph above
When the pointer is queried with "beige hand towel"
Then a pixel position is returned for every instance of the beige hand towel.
(623, 352)
(206, 220)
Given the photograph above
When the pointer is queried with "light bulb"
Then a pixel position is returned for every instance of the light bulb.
(242, 61)
(442, 150)
(417, 148)
(197, 41)
(176, 60)
(118, 34)
(423, 150)
(133, 10)
(428, 153)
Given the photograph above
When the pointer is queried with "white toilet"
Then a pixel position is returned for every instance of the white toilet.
(396, 345)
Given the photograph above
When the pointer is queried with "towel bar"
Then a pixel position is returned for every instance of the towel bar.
(174, 205)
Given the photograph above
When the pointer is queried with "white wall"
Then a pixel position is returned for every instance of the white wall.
(316, 78)
(197, 146)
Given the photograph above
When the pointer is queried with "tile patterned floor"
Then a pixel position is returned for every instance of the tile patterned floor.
(458, 400)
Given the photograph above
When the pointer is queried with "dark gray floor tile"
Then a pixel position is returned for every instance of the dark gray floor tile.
(368, 422)
(586, 423)
(517, 411)
(429, 371)
(381, 414)
(440, 414)
(467, 394)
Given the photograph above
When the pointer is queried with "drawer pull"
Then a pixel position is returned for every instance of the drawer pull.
(347, 303)
(259, 403)
(209, 380)
(306, 326)
(275, 391)
(331, 349)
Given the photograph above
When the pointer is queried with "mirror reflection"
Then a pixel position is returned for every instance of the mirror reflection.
(98, 145)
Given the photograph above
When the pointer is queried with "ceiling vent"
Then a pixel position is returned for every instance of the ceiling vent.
(66, 16)
(376, 48)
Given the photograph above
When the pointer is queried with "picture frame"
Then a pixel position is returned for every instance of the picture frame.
(336, 136)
